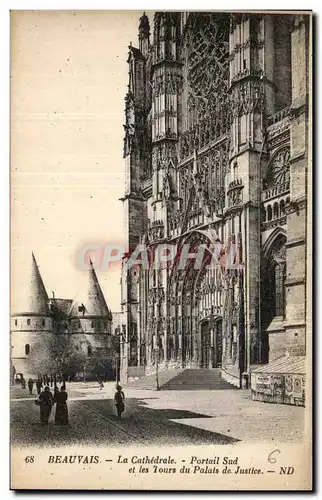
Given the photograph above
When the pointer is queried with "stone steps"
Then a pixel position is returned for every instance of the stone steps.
(183, 379)
(198, 379)
(149, 381)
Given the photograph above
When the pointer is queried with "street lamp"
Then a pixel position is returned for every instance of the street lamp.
(157, 368)
(157, 350)
(118, 336)
(117, 368)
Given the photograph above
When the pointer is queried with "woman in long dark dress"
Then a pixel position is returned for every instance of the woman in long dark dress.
(45, 402)
(61, 415)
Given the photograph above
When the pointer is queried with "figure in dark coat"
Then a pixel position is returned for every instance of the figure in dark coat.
(30, 385)
(46, 402)
(61, 415)
(119, 399)
(38, 386)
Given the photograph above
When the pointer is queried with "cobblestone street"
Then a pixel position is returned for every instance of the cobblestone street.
(151, 417)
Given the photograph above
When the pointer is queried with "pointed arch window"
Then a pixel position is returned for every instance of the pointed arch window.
(269, 213)
(275, 285)
(280, 289)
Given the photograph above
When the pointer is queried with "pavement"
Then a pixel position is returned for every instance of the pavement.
(156, 417)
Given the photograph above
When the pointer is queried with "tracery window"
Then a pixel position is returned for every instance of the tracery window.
(279, 289)
(274, 302)
(279, 169)
(208, 64)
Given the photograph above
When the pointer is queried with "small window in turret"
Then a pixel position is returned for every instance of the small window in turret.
(27, 349)
(89, 350)
(28, 322)
(16, 322)
(43, 322)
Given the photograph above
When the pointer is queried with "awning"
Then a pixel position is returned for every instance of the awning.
(286, 364)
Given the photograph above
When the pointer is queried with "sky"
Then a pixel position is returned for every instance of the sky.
(69, 76)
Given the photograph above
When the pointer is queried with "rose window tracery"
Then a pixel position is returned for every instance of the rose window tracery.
(208, 64)
(279, 168)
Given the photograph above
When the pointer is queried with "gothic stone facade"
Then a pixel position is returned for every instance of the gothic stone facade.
(216, 143)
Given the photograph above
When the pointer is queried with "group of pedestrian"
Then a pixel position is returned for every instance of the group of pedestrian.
(22, 382)
(46, 400)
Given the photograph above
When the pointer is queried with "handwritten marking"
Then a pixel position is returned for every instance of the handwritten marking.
(271, 458)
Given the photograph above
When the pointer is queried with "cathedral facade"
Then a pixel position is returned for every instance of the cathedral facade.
(44, 326)
(216, 152)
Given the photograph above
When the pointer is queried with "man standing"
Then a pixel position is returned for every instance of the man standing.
(30, 385)
(46, 402)
(119, 399)
(38, 385)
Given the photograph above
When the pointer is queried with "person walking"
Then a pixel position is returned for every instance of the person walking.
(45, 402)
(60, 399)
(30, 385)
(119, 399)
(38, 386)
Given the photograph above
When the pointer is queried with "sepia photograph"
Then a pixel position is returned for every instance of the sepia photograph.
(161, 250)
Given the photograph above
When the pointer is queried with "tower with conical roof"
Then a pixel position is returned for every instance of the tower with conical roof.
(33, 319)
(90, 321)
(87, 320)
(89, 312)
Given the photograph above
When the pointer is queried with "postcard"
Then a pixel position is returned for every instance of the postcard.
(161, 250)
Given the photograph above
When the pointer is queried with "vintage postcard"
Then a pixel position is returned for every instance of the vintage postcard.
(161, 243)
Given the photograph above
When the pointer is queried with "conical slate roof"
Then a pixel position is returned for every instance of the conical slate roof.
(90, 301)
(31, 298)
(38, 298)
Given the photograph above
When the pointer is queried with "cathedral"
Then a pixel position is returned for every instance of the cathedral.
(216, 149)
(85, 321)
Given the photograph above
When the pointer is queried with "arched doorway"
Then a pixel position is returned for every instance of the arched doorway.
(211, 343)
(195, 304)
(217, 352)
(205, 354)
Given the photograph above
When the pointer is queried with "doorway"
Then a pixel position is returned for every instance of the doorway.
(205, 345)
(217, 344)
(211, 344)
